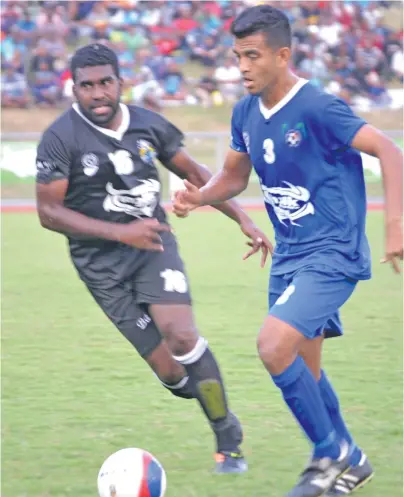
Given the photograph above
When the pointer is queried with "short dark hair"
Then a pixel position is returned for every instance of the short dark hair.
(92, 55)
(264, 19)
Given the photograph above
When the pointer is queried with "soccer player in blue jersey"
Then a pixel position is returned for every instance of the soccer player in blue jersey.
(304, 146)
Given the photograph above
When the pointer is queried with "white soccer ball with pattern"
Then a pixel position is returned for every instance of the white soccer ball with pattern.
(131, 473)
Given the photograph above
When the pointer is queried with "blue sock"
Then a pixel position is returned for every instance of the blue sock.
(331, 403)
(302, 394)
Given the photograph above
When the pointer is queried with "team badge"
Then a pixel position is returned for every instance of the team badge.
(147, 153)
(90, 164)
(293, 138)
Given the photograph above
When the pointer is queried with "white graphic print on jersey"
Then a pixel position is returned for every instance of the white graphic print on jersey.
(289, 203)
(122, 162)
(139, 201)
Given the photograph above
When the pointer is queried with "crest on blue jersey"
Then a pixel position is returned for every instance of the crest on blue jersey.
(293, 138)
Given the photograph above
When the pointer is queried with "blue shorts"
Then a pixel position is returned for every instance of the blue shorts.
(309, 300)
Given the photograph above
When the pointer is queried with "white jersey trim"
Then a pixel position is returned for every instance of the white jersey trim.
(268, 113)
(117, 134)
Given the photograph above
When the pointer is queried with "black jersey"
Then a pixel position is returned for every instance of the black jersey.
(112, 174)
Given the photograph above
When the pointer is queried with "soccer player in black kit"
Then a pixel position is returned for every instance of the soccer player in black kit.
(97, 183)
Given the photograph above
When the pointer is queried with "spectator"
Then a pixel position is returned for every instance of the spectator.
(12, 44)
(27, 28)
(45, 88)
(126, 60)
(338, 43)
(17, 62)
(53, 44)
(207, 52)
(11, 12)
(376, 89)
(372, 56)
(154, 61)
(14, 89)
(207, 90)
(174, 82)
(315, 70)
(185, 22)
(98, 13)
(100, 31)
(51, 18)
(146, 91)
(329, 30)
(228, 77)
(151, 15)
(126, 15)
(397, 64)
(41, 54)
(135, 38)
(78, 11)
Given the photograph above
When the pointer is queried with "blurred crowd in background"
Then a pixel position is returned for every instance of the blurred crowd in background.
(174, 52)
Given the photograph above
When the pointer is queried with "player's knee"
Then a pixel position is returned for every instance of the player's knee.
(276, 347)
(179, 339)
(267, 350)
(182, 388)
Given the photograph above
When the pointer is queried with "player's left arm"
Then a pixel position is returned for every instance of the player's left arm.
(185, 167)
(173, 156)
(373, 142)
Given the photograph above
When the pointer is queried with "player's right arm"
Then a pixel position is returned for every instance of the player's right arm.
(53, 169)
(229, 182)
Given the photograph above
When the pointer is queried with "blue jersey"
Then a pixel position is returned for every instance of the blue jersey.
(311, 178)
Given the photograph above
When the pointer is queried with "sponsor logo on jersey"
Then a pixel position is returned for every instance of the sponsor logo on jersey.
(146, 152)
(293, 138)
(139, 201)
(289, 202)
(90, 164)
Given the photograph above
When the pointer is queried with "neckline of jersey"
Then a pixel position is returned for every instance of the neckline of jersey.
(268, 113)
(117, 134)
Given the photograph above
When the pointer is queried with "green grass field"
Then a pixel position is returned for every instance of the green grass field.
(74, 391)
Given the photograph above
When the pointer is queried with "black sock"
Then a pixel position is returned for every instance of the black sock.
(207, 384)
(182, 388)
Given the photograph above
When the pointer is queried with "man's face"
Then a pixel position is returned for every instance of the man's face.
(98, 92)
(260, 65)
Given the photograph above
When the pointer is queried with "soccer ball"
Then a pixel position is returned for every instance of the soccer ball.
(131, 473)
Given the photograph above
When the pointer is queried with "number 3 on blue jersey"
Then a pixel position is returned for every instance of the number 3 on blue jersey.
(269, 152)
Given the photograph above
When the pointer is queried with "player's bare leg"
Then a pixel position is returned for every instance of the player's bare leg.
(176, 323)
(172, 374)
(279, 344)
(361, 471)
(311, 350)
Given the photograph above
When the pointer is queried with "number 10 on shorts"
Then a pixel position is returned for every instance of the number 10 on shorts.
(174, 281)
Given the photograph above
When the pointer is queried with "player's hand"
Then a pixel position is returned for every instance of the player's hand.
(186, 200)
(142, 234)
(258, 241)
(394, 244)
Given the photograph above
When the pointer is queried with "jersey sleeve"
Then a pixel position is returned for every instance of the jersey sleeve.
(237, 140)
(171, 140)
(341, 122)
(52, 160)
